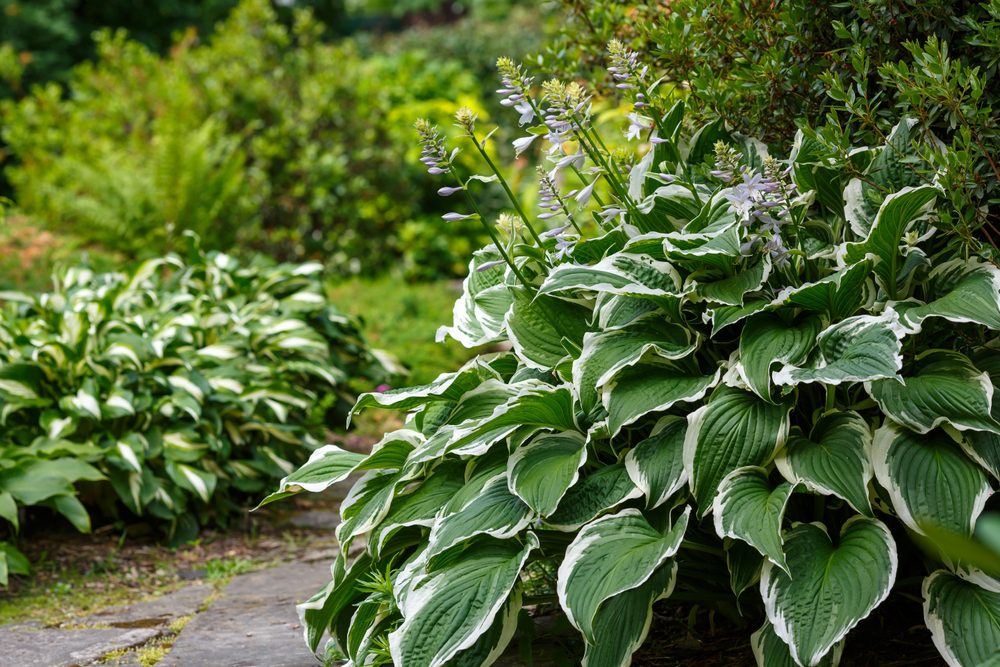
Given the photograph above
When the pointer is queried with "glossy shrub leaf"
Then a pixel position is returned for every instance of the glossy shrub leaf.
(541, 471)
(609, 556)
(833, 460)
(734, 429)
(929, 479)
(451, 606)
(829, 588)
(963, 618)
(748, 508)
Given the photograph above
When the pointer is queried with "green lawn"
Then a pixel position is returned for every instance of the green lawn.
(402, 318)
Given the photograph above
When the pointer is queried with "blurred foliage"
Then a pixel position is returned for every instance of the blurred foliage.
(265, 137)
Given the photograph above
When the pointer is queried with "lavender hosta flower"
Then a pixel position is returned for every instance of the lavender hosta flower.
(625, 67)
(455, 217)
(583, 196)
(554, 233)
(465, 118)
(637, 124)
(447, 191)
(433, 153)
(522, 144)
(516, 88)
(486, 266)
(549, 200)
(609, 213)
(727, 162)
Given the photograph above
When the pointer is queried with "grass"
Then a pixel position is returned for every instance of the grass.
(402, 318)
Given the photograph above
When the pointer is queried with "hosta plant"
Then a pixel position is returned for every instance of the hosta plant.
(750, 379)
(172, 391)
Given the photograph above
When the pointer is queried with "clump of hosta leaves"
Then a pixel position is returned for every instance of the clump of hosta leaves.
(746, 377)
(183, 386)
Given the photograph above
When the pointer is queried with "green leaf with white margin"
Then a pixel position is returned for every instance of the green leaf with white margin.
(961, 291)
(833, 460)
(495, 512)
(421, 505)
(457, 602)
(747, 508)
(656, 465)
(768, 339)
(828, 588)
(607, 353)
(929, 479)
(944, 389)
(861, 348)
(621, 273)
(770, 651)
(896, 213)
(541, 471)
(491, 644)
(609, 556)
(326, 466)
(734, 429)
(963, 618)
(744, 564)
(839, 294)
(598, 492)
(478, 313)
(644, 389)
(733, 290)
(321, 610)
(622, 622)
(537, 325)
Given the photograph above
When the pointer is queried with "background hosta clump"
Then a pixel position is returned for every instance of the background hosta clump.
(730, 374)
(183, 386)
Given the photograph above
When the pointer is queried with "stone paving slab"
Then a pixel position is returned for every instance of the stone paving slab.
(25, 647)
(253, 623)
(161, 610)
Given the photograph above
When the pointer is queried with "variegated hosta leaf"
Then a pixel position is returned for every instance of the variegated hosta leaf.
(961, 291)
(605, 354)
(447, 387)
(621, 273)
(616, 312)
(495, 512)
(833, 460)
(541, 471)
(744, 565)
(644, 389)
(326, 466)
(367, 503)
(537, 325)
(929, 479)
(829, 588)
(622, 621)
(963, 618)
(421, 505)
(732, 291)
(656, 465)
(770, 651)
(491, 644)
(456, 602)
(609, 556)
(894, 216)
(724, 316)
(865, 347)
(735, 429)
(839, 294)
(766, 340)
(479, 312)
(597, 492)
(320, 611)
(943, 388)
(747, 508)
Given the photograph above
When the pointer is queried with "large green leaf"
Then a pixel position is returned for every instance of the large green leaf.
(894, 216)
(542, 470)
(961, 291)
(597, 492)
(605, 354)
(641, 390)
(622, 621)
(609, 556)
(734, 429)
(451, 606)
(447, 387)
(833, 460)
(964, 620)
(943, 388)
(495, 512)
(537, 325)
(656, 465)
(766, 340)
(747, 508)
(621, 273)
(732, 291)
(861, 348)
(326, 466)
(929, 479)
(478, 314)
(770, 651)
(828, 588)
(838, 295)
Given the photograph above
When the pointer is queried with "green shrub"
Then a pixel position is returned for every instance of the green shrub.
(737, 377)
(265, 136)
(183, 386)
